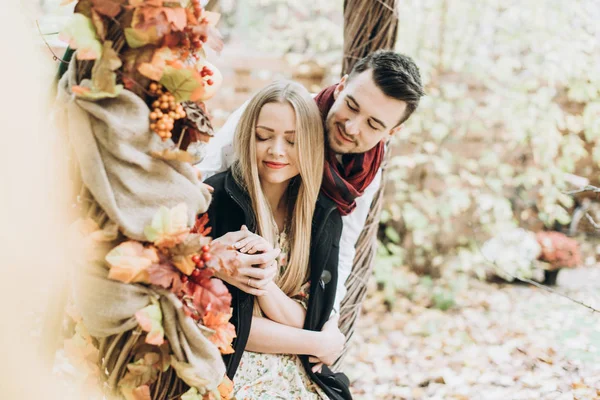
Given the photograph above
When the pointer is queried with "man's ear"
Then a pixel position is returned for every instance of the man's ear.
(340, 87)
(396, 129)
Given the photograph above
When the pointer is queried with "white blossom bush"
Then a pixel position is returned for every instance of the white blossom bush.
(513, 253)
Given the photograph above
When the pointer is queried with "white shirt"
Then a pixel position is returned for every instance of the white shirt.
(220, 156)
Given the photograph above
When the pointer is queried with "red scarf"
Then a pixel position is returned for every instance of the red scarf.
(343, 183)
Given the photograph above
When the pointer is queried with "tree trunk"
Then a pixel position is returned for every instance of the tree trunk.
(368, 26)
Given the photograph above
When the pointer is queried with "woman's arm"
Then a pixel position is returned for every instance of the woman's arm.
(280, 308)
(274, 302)
(267, 336)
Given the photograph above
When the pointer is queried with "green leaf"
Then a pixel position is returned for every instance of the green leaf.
(81, 35)
(184, 83)
(392, 235)
(104, 78)
(191, 394)
(137, 38)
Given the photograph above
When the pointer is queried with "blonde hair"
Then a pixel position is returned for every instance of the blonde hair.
(309, 141)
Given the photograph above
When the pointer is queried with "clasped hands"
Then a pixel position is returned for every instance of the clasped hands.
(257, 258)
(257, 269)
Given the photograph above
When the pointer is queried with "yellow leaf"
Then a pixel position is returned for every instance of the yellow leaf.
(129, 262)
(169, 227)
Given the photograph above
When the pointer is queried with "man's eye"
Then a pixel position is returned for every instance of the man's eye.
(372, 127)
(350, 107)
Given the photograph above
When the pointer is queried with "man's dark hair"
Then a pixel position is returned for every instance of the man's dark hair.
(396, 75)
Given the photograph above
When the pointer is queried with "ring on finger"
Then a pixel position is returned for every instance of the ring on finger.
(249, 280)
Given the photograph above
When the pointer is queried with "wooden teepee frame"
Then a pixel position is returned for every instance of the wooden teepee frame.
(368, 26)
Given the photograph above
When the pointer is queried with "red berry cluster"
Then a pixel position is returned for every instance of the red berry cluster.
(192, 38)
(207, 72)
(200, 261)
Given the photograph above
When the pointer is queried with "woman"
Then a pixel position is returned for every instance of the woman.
(273, 189)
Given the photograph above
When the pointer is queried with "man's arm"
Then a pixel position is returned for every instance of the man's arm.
(353, 225)
(219, 150)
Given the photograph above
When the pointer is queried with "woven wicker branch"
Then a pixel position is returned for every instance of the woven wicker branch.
(368, 26)
(362, 269)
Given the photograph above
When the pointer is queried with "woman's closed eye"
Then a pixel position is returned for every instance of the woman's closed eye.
(262, 138)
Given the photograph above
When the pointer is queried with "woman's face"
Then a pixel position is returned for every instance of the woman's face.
(276, 154)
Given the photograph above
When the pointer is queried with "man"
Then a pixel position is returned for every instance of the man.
(360, 113)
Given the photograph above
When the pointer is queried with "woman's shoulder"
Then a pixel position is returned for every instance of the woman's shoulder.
(217, 181)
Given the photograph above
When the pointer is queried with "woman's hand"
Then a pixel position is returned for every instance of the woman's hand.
(331, 344)
(252, 243)
(255, 270)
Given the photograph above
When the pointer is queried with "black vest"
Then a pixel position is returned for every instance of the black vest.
(229, 210)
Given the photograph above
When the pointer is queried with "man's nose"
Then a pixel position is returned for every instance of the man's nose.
(352, 127)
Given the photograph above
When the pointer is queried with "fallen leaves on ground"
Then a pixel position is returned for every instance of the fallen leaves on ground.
(500, 341)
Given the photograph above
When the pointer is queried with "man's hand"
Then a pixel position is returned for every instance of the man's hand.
(255, 270)
(331, 345)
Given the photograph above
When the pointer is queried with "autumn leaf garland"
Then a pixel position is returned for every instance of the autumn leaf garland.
(165, 36)
(170, 262)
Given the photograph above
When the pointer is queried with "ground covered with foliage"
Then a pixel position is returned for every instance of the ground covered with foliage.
(493, 341)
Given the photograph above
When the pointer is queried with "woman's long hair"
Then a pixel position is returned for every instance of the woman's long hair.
(309, 141)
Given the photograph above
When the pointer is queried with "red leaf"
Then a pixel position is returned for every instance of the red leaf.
(165, 276)
(200, 225)
(208, 294)
(224, 258)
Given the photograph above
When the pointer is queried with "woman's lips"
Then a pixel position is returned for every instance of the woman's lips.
(274, 165)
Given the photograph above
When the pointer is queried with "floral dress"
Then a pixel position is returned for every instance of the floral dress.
(276, 376)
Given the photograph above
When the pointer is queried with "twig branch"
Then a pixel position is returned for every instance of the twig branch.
(591, 220)
(588, 188)
(536, 284)
(54, 56)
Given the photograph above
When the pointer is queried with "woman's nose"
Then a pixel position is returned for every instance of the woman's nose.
(277, 148)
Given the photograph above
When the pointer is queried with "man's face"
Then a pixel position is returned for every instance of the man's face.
(362, 115)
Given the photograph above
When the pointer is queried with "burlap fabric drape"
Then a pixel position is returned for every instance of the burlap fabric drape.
(111, 141)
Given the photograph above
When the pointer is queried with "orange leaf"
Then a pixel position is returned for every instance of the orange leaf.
(110, 8)
(80, 90)
(226, 388)
(155, 68)
(176, 16)
(141, 393)
(224, 330)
